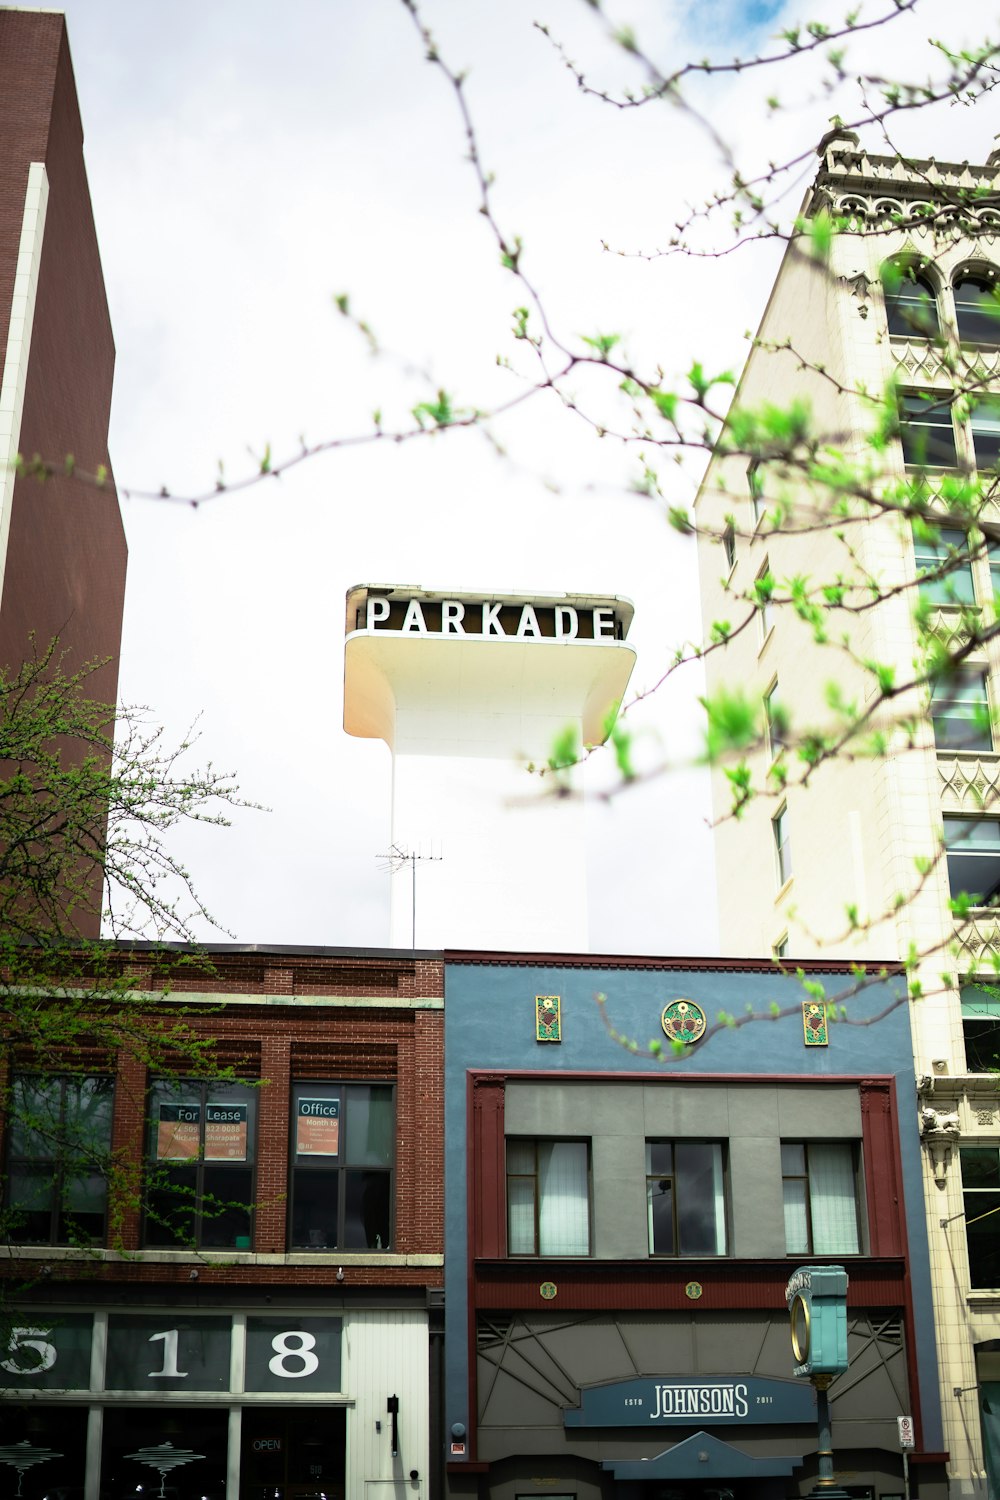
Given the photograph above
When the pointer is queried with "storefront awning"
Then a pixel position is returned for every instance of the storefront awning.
(701, 1457)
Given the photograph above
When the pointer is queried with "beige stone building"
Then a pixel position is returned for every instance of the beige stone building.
(864, 860)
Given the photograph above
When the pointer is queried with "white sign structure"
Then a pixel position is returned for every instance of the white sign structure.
(465, 688)
(906, 1435)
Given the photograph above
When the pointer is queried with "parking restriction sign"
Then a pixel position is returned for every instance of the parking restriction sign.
(905, 1425)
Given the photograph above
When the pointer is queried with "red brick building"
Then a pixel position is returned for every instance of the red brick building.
(62, 545)
(263, 1318)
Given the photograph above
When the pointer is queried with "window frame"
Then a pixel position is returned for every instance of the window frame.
(806, 1177)
(973, 310)
(984, 421)
(782, 844)
(764, 608)
(301, 1168)
(990, 850)
(536, 1142)
(677, 1195)
(973, 1197)
(898, 305)
(919, 449)
(775, 741)
(945, 590)
(946, 695)
(755, 487)
(729, 545)
(60, 1164)
(155, 1230)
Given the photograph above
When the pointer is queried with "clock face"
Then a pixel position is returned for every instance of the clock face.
(800, 1316)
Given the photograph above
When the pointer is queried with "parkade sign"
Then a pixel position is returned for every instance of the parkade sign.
(490, 619)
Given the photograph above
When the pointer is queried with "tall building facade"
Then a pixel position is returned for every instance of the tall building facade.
(62, 544)
(621, 1228)
(865, 861)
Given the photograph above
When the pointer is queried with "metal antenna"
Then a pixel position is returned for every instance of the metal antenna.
(396, 858)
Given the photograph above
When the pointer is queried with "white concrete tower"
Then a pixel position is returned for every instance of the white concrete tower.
(467, 690)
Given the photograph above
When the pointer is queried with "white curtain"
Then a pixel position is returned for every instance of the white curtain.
(832, 1199)
(564, 1202)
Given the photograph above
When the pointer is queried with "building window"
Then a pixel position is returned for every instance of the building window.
(762, 597)
(981, 1030)
(58, 1143)
(755, 484)
(548, 1197)
(780, 949)
(984, 421)
(972, 850)
(774, 722)
(199, 1183)
(960, 712)
(729, 544)
(981, 1201)
(782, 846)
(819, 1187)
(911, 306)
(685, 1198)
(977, 310)
(927, 431)
(343, 1152)
(944, 567)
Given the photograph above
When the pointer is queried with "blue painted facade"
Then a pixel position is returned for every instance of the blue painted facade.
(490, 1024)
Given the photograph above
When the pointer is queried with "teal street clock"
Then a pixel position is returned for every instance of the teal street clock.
(817, 1310)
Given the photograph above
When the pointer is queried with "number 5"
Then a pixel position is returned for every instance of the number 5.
(35, 1339)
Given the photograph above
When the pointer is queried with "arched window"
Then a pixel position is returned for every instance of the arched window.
(910, 304)
(977, 309)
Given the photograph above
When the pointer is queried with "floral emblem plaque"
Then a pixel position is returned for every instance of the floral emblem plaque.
(814, 1028)
(683, 1021)
(548, 1018)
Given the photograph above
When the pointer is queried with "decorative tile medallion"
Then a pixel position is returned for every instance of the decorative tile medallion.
(548, 1018)
(693, 1290)
(548, 1290)
(814, 1030)
(683, 1021)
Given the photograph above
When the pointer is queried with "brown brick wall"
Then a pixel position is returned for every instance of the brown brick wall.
(402, 1045)
(66, 556)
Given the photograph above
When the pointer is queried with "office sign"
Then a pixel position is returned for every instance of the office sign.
(317, 1127)
(686, 1401)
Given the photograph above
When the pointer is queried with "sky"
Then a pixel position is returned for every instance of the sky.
(249, 164)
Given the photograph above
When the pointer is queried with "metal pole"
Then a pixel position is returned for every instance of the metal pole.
(413, 929)
(825, 1486)
(906, 1475)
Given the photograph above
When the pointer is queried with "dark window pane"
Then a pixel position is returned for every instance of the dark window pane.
(973, 853)
(984, 419)
(35, 1112)
(660, 1197)
(170, 1207)
(699, 1198)
(314, 1210)
(87, 1118)
(659, 1156)
(367, 1211)
(793, 1159)
(960, 713)
(977, 311)
(927, 433)
(911, 309)
(982, 1044)
(370, 1126)
(981, 1168)
(947, 555)
(227, 1195)
(30, 1197)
